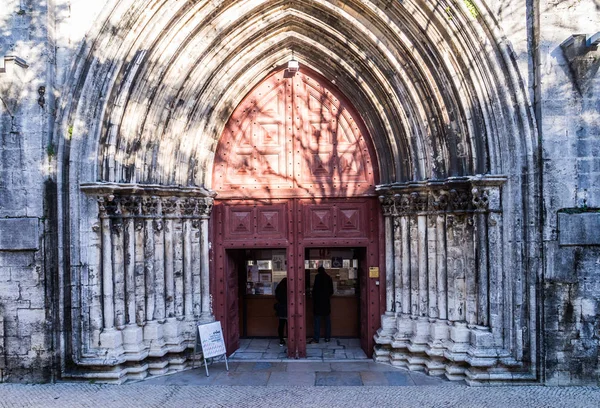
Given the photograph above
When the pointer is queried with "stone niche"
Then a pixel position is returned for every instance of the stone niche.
(149, 286)
(448, 305)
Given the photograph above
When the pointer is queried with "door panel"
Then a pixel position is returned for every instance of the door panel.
(233, 306)
(294, 136)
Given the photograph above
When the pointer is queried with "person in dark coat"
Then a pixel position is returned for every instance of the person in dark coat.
(321, 293)
(281, 308)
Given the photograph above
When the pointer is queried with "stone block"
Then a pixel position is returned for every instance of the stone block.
(19, 234)
(579, 228)
(9, 291)
(31, 321)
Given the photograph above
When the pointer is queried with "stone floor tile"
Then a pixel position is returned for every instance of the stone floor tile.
(374, 366)
(261, 366)
(247, 355)
(357, 354)
(292, 379)
(251, 378)
(338, 379)
(373, 378)
(397, 378)
(350, 366)
(424, 379)
(308, 366)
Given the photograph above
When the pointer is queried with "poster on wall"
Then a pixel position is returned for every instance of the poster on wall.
(279, 261)
(264, 265)
(252, 273)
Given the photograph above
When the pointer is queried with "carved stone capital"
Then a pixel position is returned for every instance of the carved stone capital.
(170, 205)
(205, 206)
(418, 201)
(150, 206)
(387, 204)
(131, 205)
(189, 206)
(480, 199)
(439, 200)
(460, 200)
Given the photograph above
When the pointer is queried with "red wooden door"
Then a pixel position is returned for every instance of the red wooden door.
(232, 294)
(294, 157)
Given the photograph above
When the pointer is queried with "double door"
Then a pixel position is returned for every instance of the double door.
(294, 228)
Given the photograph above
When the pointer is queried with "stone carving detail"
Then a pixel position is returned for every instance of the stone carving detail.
(480, 199)
(387, 204)
(441, 258)
(145, 274)
(205, 206)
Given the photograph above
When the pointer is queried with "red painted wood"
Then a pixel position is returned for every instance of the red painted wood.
(294, 137)
(294, 170)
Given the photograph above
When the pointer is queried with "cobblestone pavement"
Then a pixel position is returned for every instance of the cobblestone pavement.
(66, 395)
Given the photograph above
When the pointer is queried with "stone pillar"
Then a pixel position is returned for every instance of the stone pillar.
(480, 201)
(196, 269)
(110, 338)
(387, 206)
(159, 268)
(171, 326)
(442, 279)
(187, 269)
(153, 331)
(406, 264)
(118, 269)
(205, 210)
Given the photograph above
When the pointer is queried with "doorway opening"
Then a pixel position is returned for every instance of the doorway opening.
(260, 272)
(343, 265)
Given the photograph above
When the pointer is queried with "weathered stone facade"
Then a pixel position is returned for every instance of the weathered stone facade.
(485, 117)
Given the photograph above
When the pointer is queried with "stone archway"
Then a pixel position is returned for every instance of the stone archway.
(146, 112)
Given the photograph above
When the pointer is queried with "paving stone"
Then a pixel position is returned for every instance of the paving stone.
(296, 379)
(262, 366)
(242, 378)
(373, 378)
(309, 366)
(338, 379)
(248, 355)
(350, 366)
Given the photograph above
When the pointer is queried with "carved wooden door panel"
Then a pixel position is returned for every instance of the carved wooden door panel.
(294, 137)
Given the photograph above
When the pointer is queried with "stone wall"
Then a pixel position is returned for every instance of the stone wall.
(568, 113)
(26, 155)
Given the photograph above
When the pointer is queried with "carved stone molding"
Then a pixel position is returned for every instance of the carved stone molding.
(150, 201)
(467, 194)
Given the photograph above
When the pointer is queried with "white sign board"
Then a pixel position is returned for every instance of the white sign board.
(211, 339)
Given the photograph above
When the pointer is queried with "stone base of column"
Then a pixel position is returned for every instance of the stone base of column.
(112, 340)
(133, 342)
(173, 335)
(158, 367)
(153, 335)
(388, 329)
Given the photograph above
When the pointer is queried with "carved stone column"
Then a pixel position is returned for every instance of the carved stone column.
(388, 320)
(205, 208)
(110, 338)
(132, 334)
(171, 326)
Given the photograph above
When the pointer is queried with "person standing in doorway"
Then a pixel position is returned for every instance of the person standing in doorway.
(281, 308)
(321, 293)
